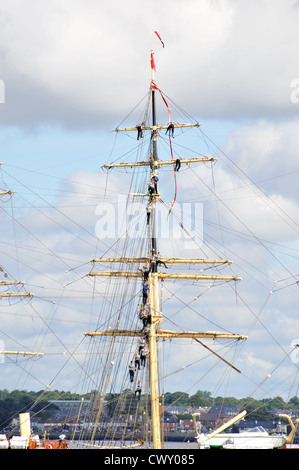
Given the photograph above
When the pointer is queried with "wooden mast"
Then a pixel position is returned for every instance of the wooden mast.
(13, 294)
(16, 294)
(21, 353)
(153, 292)
(159, 163)
(6, 192)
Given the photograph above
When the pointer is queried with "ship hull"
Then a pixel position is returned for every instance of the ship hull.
(246, 440)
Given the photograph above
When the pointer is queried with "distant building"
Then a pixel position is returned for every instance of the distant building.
(170, 424)
(276, 412)
(175, 410)
(186, 425)
(226, 410)
(211, 420)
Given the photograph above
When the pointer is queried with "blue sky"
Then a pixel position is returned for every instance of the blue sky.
(72, 72)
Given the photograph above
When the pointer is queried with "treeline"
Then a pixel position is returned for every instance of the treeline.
(39, 403)
(256, 409)
(15, 402)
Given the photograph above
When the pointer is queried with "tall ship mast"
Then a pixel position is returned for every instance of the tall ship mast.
(143, 302)
(152, 274)
(13, 290)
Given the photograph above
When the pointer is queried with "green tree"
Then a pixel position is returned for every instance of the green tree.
(294, 402)
(226, 401)
(200, 399)
(176, 398)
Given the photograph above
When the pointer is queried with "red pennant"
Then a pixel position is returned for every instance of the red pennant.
(159, 38)
(153, 62)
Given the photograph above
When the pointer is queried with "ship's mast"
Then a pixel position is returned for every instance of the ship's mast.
(7, 295)
(153, 297)
(4, 295)
(155, 332)
(13, 294)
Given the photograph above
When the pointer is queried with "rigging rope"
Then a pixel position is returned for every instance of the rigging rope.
(154, 86)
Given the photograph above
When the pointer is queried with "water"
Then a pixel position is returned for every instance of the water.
(117, 444)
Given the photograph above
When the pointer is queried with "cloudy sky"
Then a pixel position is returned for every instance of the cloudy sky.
(70, 72)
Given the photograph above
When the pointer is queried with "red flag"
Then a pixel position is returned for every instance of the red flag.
(159, 38)
(153, 62)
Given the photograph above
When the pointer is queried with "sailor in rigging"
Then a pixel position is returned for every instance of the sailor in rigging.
(146, 332)
(131, 371)
(157, 260)
(137, 360)
(145, 317)
(148, 212)
(147, 320)
(141, 344)
(151, 188)
(142, 314)
(170, 128)
(143, 353)
(155, 180)
(145, 270)
(177, 164)
(138, 390)
(139, 130)
(145, 289)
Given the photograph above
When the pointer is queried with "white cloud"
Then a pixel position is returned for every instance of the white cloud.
(79, 63)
